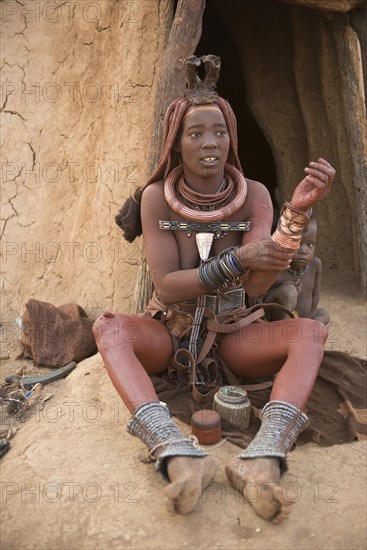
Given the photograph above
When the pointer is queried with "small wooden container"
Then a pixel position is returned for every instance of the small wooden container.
(206, 426)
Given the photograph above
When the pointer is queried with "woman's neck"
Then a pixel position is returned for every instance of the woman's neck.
(208, 185)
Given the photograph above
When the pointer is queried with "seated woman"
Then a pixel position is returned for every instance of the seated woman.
(199, 188)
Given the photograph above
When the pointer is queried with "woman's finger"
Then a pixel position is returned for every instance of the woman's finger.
(327, 164)
(318, 174)
(323, 168)
(315, 181)
(328, 169)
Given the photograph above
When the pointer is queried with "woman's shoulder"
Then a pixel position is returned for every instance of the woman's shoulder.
(258, 199)
(153, 193)
(153, 200)
(153, 190)
(256, 188)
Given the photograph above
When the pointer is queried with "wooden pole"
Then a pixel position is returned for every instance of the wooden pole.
(182, 42)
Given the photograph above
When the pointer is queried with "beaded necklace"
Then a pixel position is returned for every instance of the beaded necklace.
(298, 272)
(206, 202)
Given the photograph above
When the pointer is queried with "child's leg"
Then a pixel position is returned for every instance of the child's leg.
(286, 295)
(321, 315)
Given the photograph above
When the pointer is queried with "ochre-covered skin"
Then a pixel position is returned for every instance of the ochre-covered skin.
(134, 347)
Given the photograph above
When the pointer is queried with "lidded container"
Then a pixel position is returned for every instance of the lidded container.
(206, 426)
(233, 406)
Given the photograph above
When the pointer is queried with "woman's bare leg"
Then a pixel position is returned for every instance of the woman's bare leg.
(132, 348)
(295, 347)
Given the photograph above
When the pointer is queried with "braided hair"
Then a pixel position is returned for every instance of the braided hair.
(128, 218)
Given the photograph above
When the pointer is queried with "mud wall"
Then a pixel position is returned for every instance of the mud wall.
(77, 96)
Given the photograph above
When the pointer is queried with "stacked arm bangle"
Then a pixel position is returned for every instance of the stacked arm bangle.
(291, 225)
(221, 271)
(226, 269)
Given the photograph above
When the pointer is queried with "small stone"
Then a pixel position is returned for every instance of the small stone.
(11, 379)
(4, 447)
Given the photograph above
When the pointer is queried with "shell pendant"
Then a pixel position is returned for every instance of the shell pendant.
(204, 243)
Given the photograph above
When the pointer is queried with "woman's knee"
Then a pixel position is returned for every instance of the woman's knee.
(305, 333)
(112, 329)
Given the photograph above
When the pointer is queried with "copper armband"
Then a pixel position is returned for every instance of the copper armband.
(291, 225)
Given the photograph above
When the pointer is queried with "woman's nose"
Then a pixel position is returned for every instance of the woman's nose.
(209, 142)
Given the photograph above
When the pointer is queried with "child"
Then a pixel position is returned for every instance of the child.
(298, 289)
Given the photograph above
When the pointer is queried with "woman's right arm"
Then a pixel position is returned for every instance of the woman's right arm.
(172, 283)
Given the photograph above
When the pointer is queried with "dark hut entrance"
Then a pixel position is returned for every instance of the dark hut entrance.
(293, 84)
(254, 150)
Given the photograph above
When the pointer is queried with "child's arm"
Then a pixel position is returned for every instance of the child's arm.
(316, 288)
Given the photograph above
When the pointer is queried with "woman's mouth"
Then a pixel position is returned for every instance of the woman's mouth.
(209, 160)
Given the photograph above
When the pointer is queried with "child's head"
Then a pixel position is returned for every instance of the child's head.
(306, 251)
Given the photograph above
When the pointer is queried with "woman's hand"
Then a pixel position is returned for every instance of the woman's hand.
(315, 186)
(264, 255)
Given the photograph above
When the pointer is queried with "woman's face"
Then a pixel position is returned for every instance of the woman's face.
(204, 143)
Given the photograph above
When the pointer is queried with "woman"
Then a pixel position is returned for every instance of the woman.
(208, 189)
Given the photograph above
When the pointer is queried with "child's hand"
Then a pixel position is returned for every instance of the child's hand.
(315, 186)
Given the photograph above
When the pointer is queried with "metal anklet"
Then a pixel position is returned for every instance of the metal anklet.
(282, 422)
(153, 425)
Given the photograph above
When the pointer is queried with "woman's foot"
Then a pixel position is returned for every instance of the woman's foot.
(258, 480)
(187, 477)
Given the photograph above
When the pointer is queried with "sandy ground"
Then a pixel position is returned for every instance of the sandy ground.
(74, 478)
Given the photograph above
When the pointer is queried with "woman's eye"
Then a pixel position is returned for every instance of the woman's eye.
(311, 245)
(195, 134)
(221, 133)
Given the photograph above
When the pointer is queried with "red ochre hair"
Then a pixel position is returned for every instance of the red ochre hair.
(128, 218)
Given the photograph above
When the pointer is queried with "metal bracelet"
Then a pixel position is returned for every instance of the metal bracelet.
(292, 224)
(221, 271)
